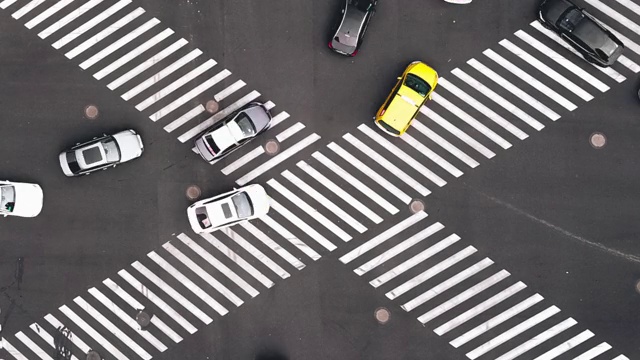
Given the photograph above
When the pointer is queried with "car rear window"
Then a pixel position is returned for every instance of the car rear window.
(389, 128)
(212, 144)
(73, 162)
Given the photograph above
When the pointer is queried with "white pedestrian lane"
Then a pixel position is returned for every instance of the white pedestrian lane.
(465, 297)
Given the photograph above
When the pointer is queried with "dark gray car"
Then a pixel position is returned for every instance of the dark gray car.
(355, 18)
(596, 44)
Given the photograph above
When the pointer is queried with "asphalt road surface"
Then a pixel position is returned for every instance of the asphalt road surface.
(522, 241)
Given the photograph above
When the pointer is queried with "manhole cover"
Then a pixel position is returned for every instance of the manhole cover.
(93, 355)
(91, 112)
(416, 206)
(212, 106)
(143, 318)
(193, 192)
(382, 315)
(271, 147)
(598, 140)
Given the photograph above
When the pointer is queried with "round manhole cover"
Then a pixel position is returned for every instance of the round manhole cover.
(416, 206)
(93, 355)
(91, 112)
(598, 140)
(212, 106)
(271, 147)
(193, 192)
(382, 315)
(143, 318)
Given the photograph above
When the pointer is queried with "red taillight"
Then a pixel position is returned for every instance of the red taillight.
(330, 46)
(354, 53)
(382, 112)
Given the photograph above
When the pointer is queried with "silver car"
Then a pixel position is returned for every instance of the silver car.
(234, 131)
(101, 153)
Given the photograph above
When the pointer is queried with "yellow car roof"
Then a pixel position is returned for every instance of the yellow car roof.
(402, 108)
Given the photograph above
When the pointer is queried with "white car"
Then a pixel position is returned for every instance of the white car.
(101, 153)
(228, 209)
(20, 199)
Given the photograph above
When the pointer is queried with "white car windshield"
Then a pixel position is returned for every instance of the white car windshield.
(7, 198)
(243, 205)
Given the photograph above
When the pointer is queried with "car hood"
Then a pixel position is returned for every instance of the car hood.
(223, 137)
(596, 37)
(29, 200)
(130, 145)
(259, 199)
(552, 10)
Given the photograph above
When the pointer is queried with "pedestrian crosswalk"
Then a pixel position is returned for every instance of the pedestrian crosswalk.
(465, 298)
(150, 66)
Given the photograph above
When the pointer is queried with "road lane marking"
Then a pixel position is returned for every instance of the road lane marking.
(217, 264)
(506, 84)
(248, 247)
(447, 284)
(492, 115)
(382, 237)
(552, 74)
(290, 131)
(139, 50)
(6, 3)
(413, 261)
(564, 62)
(279, 118)
(92, 333)
(594, 352)
(201, 273)
(444, 143)
(163, 73)
(275, 247)
(46, 337)
(511, 333)
(229, 90)
(404, 245)
(73, 337)
(160, 94)
(238, 260)
(6, 344)
(316, 215)
(295, 220)
(282, 156)
(112, 328)
(146, 292)
(104, 33)
(202, 87)
(26, 9)
(32, 346)
(431, 272)
(496, 320)
(184, 118)
(567, 345)
(243, 160)
(375, 156)
(605, 9)
(290, 237)
(384, 183)
(463, 296)
(480, 308)
(533, 82)
(305, 188)
(538, 339)
(68, 18)
(122, 315)
(471, 121)
(355, 183)
(402, 155)
(431, 155)
(47, 13)
(136, 305)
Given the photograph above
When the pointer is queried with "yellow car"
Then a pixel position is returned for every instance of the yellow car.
(413, 89)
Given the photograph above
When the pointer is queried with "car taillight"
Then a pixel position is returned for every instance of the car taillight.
(354, 53)
(330, 46)
(382, 112)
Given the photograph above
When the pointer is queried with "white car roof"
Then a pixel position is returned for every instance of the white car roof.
(226, 136)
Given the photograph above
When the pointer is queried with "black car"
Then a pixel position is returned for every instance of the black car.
(355, 18)
(596, 44)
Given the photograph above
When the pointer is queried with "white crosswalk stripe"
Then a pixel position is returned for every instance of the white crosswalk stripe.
(246, 245)
(47, 13)
(74, 337)
(4, 342)
(431, 155)
(261, 236)
(424, 130)
(46, 337)
(68, 18)
(32, 345)
(6, 3)
(316, 215)
(290, 237)
(26, 9)
(566, 346)
(538, 339)
(295, 220)
(594, 352)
